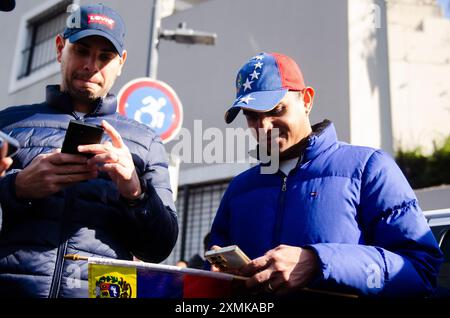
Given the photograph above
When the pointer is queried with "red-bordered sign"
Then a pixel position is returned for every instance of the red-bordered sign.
(153, 103)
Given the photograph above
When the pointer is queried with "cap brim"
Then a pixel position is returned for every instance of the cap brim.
(85, 33)
(261, 101)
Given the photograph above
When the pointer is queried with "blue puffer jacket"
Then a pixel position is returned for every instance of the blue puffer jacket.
(89, 218)
(349, 204)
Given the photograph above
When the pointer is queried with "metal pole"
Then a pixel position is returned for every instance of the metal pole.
(186, 194)
(155, 24)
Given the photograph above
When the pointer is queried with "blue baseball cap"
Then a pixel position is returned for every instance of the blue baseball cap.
(263, 82)
(98, 20)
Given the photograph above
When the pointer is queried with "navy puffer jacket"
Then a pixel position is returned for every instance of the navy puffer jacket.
(89, 218)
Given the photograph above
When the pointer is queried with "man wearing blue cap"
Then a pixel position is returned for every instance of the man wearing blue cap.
(115, 203)
(334, 216)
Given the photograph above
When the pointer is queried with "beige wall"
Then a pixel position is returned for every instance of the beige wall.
(370, 105)
(419, 49)
(315, 33)
(320, 34)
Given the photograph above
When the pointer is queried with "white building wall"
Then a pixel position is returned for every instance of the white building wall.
(313, 32)
(370, 107)
(341, 57)
(419, 49)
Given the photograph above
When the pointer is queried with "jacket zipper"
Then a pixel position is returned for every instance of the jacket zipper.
(74, 114)
(280, 214)
(63, 242)
(62, 249)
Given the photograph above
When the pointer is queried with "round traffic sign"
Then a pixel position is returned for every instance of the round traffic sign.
(153, 103)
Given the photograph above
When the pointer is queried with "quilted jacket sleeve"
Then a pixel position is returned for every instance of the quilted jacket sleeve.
(401, 257)
(8, 199)
(154, 219)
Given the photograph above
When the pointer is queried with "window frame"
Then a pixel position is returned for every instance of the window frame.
(16, 83)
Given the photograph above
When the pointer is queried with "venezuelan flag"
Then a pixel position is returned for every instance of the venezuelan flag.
(110, 278)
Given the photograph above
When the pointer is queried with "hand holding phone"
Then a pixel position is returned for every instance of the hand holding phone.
(226, 258)
(81, 133)
(8, 146)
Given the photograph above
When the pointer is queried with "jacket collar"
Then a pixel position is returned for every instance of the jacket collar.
(322, 138)
(63, 102)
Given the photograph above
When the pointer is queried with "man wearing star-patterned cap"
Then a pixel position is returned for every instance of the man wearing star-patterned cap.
(262, 84)
(263, 81)
(334, 217)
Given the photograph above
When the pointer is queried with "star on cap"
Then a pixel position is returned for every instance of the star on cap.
(258, 65)
(257, 57)
(254, 75)
(247, 84)
(246, 99)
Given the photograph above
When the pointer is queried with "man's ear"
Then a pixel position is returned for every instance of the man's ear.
(60, 44)
(122, 62)
(308, 98)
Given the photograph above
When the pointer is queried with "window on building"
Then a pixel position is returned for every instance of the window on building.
(39, 50)
(196, 207)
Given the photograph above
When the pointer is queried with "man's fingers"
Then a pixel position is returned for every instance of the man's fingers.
(113, 134)
(3, 150)
(73, 169)
(74, 178)
(115, 168)
(104, 158)
(58, 158)
(256, 265)
(6, 162)
(257, 280)
(277, 284)
(4, 165)
(94, 148)
(49, 154)
(214, 268)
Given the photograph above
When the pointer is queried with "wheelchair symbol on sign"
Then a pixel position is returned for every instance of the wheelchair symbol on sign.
(152, 103)
(152, 107)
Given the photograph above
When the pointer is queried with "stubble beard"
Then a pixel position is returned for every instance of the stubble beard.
(82, 95)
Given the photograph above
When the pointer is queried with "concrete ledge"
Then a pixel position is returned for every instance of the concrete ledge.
(434, 197)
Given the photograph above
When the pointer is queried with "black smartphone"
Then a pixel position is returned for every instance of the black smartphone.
(11, 148)
(81, 133)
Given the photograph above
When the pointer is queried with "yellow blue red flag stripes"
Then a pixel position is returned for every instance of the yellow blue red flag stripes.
(110, 278)
(110, 281)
